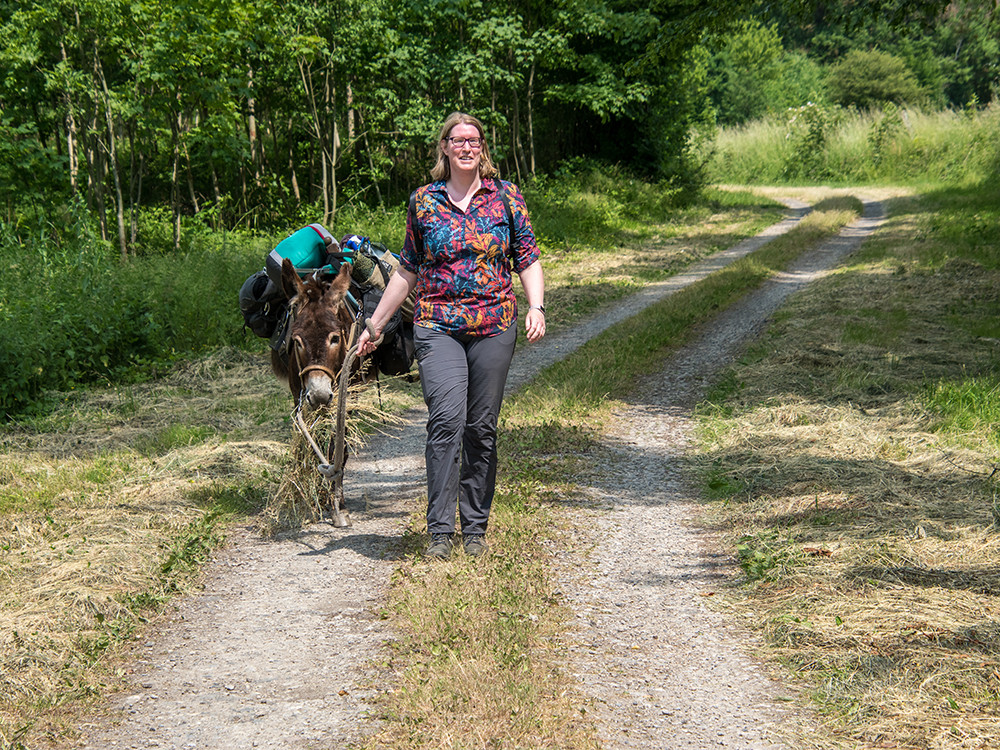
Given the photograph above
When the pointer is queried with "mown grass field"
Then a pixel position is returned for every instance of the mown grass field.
(853, 460)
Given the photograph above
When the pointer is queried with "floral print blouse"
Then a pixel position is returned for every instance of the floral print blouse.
(463, 261)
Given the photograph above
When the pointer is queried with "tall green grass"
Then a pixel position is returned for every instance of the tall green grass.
(75, 314)
(890, 146)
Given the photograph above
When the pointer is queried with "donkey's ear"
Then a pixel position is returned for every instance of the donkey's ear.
(339, 286)
(291, 284)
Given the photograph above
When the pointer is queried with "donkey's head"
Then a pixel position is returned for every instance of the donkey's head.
(319, 332)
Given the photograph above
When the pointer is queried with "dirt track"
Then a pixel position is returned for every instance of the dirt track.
(275, 651)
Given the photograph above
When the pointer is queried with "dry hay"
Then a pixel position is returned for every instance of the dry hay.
(97, 531)
(78, 576)
(305, 496)
(880, 570)
(105, 512)
(229, 391)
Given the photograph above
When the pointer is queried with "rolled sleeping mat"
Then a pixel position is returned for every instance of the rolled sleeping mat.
(373, 265)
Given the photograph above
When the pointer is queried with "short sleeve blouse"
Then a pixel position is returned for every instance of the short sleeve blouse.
(463, 260)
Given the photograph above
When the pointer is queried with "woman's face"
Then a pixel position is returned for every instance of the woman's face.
(462, 156)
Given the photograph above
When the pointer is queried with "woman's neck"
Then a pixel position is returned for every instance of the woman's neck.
(461, 187)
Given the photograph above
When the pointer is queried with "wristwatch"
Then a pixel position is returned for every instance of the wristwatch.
(537, 307)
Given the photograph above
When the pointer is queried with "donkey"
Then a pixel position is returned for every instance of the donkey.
(318, 335)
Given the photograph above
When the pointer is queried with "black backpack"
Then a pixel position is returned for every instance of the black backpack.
(394, 355)
(263, 305)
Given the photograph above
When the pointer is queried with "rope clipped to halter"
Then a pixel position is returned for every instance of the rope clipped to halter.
(336, 468)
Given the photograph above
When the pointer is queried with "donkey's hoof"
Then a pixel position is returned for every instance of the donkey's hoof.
(341, 520)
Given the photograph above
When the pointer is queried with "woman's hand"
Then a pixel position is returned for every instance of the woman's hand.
(366, 345)
(534, 324)
(533, 281)
(401, 283)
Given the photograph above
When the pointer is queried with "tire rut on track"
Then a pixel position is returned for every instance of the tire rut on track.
(663, 668)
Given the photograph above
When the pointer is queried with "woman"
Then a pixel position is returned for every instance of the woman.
(459, 255)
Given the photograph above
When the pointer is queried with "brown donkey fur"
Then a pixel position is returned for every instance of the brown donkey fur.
(318, 335)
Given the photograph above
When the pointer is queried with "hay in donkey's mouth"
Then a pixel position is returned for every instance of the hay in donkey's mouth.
(305, 496)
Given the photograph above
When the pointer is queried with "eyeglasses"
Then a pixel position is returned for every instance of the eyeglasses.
(474, 143)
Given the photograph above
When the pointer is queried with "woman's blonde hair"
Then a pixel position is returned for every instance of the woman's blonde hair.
(442, 168)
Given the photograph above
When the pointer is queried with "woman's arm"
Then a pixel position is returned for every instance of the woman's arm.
(401, 283)
(533, 281)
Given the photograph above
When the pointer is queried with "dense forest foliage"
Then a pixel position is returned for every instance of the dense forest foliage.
(261, 114)
(844, 55)
(244, 112)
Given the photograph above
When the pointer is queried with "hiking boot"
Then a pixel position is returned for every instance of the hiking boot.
(475, 545)
(441, 546)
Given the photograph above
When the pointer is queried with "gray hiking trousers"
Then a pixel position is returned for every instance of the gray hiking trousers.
(463, 379)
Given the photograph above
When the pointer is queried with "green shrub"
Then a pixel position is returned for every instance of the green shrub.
(808, 130)
(870, 78)
(752, 75)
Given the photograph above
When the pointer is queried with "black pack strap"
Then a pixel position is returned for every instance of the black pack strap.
(418, 237)
(511, 244)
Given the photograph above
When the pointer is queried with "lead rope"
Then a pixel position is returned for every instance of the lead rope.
(331, 465)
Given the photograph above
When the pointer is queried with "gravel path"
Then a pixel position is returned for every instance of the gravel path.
(273, 652)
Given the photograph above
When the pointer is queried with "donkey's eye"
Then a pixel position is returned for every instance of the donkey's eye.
(334, 339)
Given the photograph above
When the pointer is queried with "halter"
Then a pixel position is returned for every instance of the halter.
(317, 368)
(317, 275)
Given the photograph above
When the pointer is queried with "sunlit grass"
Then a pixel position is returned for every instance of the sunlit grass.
(891, 147)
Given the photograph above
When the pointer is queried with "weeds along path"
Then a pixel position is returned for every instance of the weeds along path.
(277, 650)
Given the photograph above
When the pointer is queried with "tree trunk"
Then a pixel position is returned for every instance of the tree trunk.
(371, 167)
(252, 126)
(291, 162)
(187, 167)
(515, 135)
(112, 156)
(326, 146)
(350, 116)
(175, 197)
(329, 106)
(74, 163)
(190, 181)
(135, 186)
(531, 122)
(273, 132)
(216, 191)
(95, 175)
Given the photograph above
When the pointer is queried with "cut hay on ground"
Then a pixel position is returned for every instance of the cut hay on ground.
(866, 523)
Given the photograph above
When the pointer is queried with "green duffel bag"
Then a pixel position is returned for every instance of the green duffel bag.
(307, 249)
